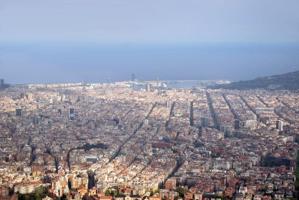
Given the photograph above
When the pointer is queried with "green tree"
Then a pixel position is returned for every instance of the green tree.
(181, 191)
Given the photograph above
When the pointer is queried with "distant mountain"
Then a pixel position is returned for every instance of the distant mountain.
(288, 81)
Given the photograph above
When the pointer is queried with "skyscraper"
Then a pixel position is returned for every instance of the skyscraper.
(72, 114)
(19, 112)
(237, 124)
(148, 87)
(133, 77)
(204, 121)
(2, 84)
(279, 125)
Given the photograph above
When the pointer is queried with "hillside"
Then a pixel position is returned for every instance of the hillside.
(288, 81)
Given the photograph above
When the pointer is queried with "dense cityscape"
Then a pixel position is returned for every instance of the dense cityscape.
(149, 100)
(133, 141)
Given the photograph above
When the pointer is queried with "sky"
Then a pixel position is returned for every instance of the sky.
(97, 40)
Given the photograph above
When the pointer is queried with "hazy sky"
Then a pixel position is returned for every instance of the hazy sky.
(147, 21)
(157, 38)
